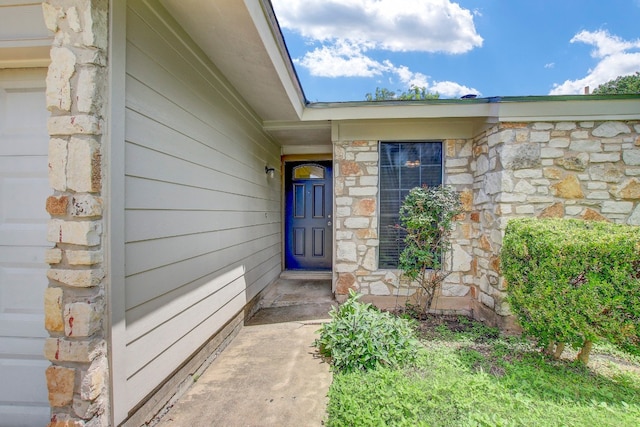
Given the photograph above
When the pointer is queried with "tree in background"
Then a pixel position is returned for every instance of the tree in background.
(413, 93)
(620, 85)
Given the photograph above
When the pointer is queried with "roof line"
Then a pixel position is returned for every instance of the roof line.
(487, 100)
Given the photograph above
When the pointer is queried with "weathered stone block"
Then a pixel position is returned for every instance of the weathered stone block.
(551, 153)
(53, 256)
(82, 319)
(349, 168)
(542, 126)
(559, 142)
(346, 251)
(634, 218)
(524, 187)
(552, 173)
(64, 350)
(631, 157)
(574, 161)
(365, 207)
(86, 206)
(604, 157)
(591, 215)
(369, 261)
(527, 173)
(356, 223)
(453, 290)
(367, 157)
(520, 156)
(84, 257)
(379, 288)
(58, 164)
(565, 126)
(598, 195)
(461, 260)
(459, 179)
(63, 420)
(87, 87)
(93, 381)
(53, 320)
(84, 165)
(587, 145)
(487, 300)
(610, 129)
(605, 172)
(76, 278)
(580, 134)
(72, 125)
(554, 211)
(60, 383)
(539, 136)
(363, 191)
(61, 68)
(568, 188)
(507, 135)
(629, 190)
(57, 206)
(85, 233)
(617, 207)
(344, 201)
(345, 282)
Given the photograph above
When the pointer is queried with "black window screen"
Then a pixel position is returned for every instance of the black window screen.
(403, 166)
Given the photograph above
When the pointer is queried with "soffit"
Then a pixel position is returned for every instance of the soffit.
(239, 39)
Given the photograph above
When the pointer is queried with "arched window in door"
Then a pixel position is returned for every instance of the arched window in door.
(308, 171)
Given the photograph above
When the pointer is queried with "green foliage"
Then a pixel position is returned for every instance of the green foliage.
(460, 382)
(361, 337)
(574, 282)
(426, 216)
(414, 93)
(620, 85)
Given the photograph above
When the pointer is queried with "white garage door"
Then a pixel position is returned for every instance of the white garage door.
(24, 188)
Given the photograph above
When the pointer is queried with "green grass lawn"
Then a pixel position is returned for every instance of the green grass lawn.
(475, 377)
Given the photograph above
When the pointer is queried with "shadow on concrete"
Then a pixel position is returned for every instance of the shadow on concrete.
(294, 300)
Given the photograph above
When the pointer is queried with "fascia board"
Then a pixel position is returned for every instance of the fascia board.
(371, 111)
(608, 109)
(264, 20)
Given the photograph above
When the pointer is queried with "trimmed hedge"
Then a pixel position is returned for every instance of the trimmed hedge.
(574, 282)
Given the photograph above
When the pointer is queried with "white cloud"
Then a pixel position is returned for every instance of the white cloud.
(413, 25)
(349, 29)
(452, 89)
(341, 60)
(614, 60)
(348, 60)
(550, 65)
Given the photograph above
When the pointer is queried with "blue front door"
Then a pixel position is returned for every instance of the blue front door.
(308, 215)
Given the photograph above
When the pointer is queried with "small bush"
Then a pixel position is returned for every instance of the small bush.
(361, 337)
(574, 282)
(427, 215)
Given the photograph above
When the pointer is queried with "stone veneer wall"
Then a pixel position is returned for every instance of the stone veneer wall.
(78, 377)
(588, 170)
(356, 232)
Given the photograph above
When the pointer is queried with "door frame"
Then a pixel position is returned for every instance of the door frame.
(288, 158)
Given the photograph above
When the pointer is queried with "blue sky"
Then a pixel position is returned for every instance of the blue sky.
(344, 49)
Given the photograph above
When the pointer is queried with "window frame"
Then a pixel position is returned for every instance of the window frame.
(381, 223)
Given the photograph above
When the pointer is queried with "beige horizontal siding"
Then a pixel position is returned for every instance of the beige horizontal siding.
(202, 220)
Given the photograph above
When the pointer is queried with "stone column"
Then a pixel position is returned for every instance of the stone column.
(77, 379)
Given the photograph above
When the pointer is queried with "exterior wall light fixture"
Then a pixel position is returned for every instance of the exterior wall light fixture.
(269, 171)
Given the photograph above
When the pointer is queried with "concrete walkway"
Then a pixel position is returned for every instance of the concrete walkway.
(270, 374)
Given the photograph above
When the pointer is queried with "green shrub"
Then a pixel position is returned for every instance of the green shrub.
(574, 282)
(361, 337)
(426, 216)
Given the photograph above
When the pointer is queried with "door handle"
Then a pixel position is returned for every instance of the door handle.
(329, 223)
